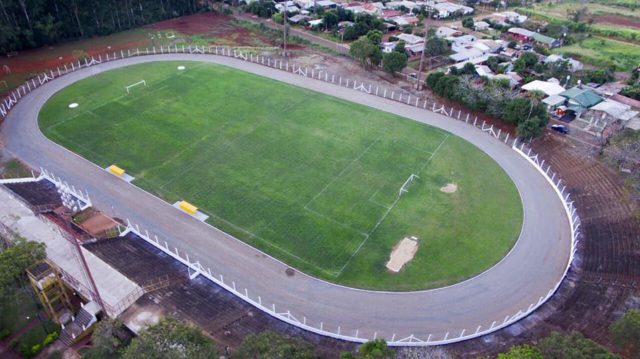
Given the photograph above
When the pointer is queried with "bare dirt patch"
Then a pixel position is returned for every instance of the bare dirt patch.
(449, 188)
(617, 20)
(402, 253)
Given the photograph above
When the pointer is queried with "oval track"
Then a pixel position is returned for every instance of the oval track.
(535, 265)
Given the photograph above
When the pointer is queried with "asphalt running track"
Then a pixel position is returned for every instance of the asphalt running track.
(534, 266)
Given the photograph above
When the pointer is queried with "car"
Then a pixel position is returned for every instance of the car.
(560, 129)
(527, 47)
(413, 75)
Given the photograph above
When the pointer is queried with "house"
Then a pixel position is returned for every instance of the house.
(445, 32)
(326, 4)
(481, 25)
(388, 47)
(475, 61)
(315, 23)
(446, 9)
(290, 7)
(574, 65)
(547, 41)
(548, 88)
(578, 99)
(410, 39)
(508, 52)
(613, 110)
(494, 46)
(415, 49)
(484, 71)
(513, 17)
(462, 42)
(467, 54)
(297, 19)
(520, 34)
(373, 8)
(388, 14)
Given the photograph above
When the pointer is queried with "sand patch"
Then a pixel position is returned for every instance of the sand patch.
(402, 253)
(449, 188)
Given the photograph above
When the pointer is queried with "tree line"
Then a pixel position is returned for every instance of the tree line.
(28, 24)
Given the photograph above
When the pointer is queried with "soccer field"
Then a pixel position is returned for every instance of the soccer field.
(308, 178)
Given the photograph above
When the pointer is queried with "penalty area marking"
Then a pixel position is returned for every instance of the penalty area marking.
(73, 105)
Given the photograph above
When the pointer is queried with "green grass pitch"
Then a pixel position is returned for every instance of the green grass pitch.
(308, 178)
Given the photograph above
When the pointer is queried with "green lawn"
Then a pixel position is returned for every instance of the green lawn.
(603, 52)
(310, 179)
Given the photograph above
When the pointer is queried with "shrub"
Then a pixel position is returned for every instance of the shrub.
(50, 338)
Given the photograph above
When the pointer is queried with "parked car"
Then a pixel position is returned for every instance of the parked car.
(560, 129)
(527, 47)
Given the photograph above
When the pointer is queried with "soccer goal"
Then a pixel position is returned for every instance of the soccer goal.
(139, 83)
(407, 183)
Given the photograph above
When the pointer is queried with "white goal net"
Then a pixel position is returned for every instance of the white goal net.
(139, 83)
(407, 183)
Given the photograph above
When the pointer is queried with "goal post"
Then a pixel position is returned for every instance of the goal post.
(139, 83)
(405, 186)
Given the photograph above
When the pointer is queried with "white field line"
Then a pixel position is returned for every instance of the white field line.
(334, 221)
(388, 211)
(341, 173)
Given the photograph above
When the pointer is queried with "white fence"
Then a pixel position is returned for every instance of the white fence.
(335, 331)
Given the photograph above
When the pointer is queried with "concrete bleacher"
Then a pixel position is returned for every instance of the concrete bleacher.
(223, 316)
(42, 193)
(114, 288)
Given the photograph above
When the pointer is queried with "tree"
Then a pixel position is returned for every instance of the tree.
(632, 91)
(531, 127)
(373, 349)
(375, 36)
(269, 345)
(521, 352)
(436, 46)
(105, 339)
(468, 22)
(365, 52)
(394, 62)
(15, 260)
(330, 20)
(573, 345)
(625, 332)
(170, 339)
(529, 58)
(400, 47)
(468, 69)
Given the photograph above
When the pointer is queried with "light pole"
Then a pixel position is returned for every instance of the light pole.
(424, 49)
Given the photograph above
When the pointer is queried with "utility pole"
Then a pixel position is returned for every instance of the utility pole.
(284, 31)
(424, 49)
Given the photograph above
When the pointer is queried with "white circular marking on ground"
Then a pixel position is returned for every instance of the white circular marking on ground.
(73, 105)
(181, 67)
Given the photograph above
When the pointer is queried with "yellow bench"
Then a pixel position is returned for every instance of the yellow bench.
(116, 170)
(188, 207)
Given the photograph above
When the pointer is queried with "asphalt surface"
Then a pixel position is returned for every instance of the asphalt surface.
(533, 267)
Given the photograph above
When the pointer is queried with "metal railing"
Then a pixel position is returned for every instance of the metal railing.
(401, 96)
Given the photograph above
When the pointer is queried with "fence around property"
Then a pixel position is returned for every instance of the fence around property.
(401, 96)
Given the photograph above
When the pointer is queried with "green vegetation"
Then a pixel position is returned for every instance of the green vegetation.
(394, 62)
(529, 115)
(625, 332)
(35, 23)
(14, 169)
(560, 346)
(308, 178)
(603, 52)
(373, 349)
(270, 345)
(170, 339)
(36, 339)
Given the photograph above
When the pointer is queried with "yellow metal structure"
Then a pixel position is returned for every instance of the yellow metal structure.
(47, 283)
(188, 207)
(116, 170)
